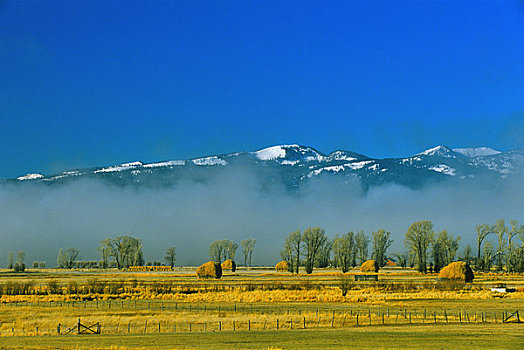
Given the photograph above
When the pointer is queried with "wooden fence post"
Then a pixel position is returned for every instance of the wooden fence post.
(277, 324)
(145, 327)
(304, 322)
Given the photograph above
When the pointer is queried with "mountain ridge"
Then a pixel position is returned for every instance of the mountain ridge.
(293, 164)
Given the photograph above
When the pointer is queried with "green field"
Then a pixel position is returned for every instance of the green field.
(465, 336)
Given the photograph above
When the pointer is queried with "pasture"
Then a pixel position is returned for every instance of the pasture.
(256, 309)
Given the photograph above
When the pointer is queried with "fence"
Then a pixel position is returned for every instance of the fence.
(253, 317)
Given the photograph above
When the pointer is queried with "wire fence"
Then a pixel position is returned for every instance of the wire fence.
(252, 317)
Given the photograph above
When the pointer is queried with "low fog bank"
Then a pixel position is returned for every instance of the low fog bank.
(40, 219)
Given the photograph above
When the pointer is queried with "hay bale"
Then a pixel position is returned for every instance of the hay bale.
(282, 266)
(369, 266)
(229, 265)
(210, 269)
(391, 263)
(457, 270)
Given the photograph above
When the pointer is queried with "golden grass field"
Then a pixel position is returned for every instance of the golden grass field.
(243, 310)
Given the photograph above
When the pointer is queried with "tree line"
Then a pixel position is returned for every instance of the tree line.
(313, 248)
(225, 249)
(426, 250)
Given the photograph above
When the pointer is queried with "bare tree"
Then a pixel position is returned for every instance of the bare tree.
(500, 230)
(247, 249)
(216, 251)
(418, 237)
(381, 243)
(450, 245)
(515, 256)
(170, 257)
(71, 254)
(222, 250)
(344, 250)
(313, 238)
(293, 250)
(362, 242)
(230, 249)
(10, 260)
(482, 232)
(488, 256)
(323, 258)
(126, 250)
(105, 250)
(20, 261)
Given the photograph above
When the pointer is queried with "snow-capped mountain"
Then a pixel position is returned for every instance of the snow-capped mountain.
(295, 164)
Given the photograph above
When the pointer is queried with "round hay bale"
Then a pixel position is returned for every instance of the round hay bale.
(282, 266)
(229, 265)
(457, 270)
(210, 269)
(369, 266)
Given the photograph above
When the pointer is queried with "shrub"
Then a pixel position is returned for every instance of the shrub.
(229, 265)
(53, 287)
(209, 269)
(369, 266)
(457, 270)
(72, 287)
(282, 266)
(95, 286)
(345, 284)
(19, 267)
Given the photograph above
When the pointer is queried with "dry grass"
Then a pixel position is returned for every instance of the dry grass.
(249, 299)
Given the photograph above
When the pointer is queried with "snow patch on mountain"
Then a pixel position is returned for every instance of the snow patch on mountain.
(168, 163)
(343, 167)
(344, 156)
(477, 152)
(30, 177)
(444, 169)
(358, 165)
(441, 151)
(120, 167)
(214, 160)
(271, 153)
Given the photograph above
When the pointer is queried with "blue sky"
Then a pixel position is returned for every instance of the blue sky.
(102, 82)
